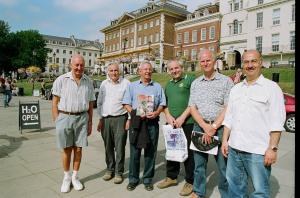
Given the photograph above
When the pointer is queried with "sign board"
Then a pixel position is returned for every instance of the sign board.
(29, 115)
(36, 92)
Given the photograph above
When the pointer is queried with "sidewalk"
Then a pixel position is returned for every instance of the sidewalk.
(30, 164)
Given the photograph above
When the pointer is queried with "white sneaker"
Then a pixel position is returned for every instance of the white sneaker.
(76, 183)
(65, 187)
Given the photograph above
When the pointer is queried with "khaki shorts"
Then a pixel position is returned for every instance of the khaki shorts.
(71, 130)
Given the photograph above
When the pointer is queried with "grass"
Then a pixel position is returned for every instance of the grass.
(286, 79)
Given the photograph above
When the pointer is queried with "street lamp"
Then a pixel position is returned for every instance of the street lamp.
(149, 47)
(54, 54)
(33, 54)
(124, 48)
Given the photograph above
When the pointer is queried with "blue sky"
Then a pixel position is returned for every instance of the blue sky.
(81, 18)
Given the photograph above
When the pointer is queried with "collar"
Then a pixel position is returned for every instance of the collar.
(150, 83)
(216, 76)
(182, 77)
(118, 81)
(260, 81)
(69, 75)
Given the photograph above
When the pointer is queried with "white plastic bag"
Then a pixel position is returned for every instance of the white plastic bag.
(176, 144)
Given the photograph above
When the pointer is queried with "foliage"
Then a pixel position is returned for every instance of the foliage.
(21, 49)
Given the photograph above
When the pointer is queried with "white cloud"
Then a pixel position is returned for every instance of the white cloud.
(34, 8)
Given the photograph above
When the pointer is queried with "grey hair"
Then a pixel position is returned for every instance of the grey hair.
(213, 54)
(144, 63)
(176, 60)
(77, 56)
(114, 63)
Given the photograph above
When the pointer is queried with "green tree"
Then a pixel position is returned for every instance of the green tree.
(32, 50)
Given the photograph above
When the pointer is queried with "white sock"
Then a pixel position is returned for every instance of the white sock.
(67, 173)
(74, 174)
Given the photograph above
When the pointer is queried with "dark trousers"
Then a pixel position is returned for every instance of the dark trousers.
(149, 157)
(173, 168)
(114, 137)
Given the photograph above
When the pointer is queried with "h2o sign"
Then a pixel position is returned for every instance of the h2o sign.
(29, 115)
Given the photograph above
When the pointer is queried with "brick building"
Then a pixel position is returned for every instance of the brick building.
(200, 30)
(144, 34)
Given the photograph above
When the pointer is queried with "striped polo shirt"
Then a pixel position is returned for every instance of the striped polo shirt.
(73, 97)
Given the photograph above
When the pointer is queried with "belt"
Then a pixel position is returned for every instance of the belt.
(208, 121)
(71, 113)
(111, 116)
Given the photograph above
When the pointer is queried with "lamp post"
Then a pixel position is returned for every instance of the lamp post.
(124, 48)
(100, 51)
(33, 54)
(54, 54)
(149, 48)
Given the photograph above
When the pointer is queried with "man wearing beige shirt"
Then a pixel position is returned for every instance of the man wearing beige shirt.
(112, 122)
(72, 110)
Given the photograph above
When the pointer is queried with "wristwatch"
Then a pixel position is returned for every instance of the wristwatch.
(274, 148)
(214, 126)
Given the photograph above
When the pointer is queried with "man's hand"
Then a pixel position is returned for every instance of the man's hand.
(171, 120)
(209, 132)
(90, 126)
(224, 148)
(179, 121)
(100, 125)
(127, 124)
(270, 157)
(152, 115)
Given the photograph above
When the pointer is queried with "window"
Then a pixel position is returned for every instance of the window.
(292, 40)
(230, 5)
(64, 51)
(50, 59)
(156, 37)
(131, 42)
(70, 52)
(230, 29)
(179, 38)
(127, 31)
(275, 42)
(57, 60)
(114, 47)
(260, 2)
(140, 41)
(186, 37)
(156, 22)
(259, 19)
(118, 46)
(212, 32)
(64, 61)
(203, 34)
(240, 28)
(151, 24)
(194, 35)
(212, 48)
(57, 51)
(90, 54)
(145, 40)
(140, 27)
(83, 53)
(90, 62)
(186, 53)
(235, 27)
(276, 16)
(258, 41)
(293, 12)
(151, 38)
(145, 26)
(194, 54)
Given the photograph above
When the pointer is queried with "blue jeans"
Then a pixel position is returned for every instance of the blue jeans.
(201, 159)
(149, 157)
(240, 165)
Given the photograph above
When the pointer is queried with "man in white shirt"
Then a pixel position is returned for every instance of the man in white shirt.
(72, 110)
(253, 123)
(113, 122)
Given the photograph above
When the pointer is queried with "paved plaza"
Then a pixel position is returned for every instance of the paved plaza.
(30, 163)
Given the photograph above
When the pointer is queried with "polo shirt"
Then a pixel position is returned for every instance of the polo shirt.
(177, 96)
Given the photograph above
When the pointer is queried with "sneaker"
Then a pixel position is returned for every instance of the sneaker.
(107, 176)
(194, 195)
(65, 187)
(148, 187)
(76, 183)
(167, 183)
(187, 189)
(118, 179)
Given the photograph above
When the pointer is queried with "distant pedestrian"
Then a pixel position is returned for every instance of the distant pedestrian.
(72, 110)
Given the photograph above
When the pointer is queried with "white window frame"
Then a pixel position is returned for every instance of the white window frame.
(259, 19)
(194, 54)
(145, 26)
(212, 32)
(203, 34)
(292, 40)
(258, 43)
(140, 27)
(276, 16)
(145, 40)
(293, 12)
(156, 22)
(194, 35)
(140, 40)
(186, 37)
(151, 24)
(179, 38)
(275, 42)
(157, 37)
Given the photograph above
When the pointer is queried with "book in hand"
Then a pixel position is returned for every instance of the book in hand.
(145, 105)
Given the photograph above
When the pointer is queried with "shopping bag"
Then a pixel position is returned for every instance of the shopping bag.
(175, 143)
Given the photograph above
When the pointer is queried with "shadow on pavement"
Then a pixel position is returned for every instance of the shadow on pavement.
(9, 144)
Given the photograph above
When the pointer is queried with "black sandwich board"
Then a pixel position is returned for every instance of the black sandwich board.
(29, 115)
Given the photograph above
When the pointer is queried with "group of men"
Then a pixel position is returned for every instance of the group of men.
(248, 118)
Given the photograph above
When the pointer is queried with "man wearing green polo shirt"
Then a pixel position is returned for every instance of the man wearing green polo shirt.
(177, 113)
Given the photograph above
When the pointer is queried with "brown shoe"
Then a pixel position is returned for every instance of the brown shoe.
(107, 176)
(194, 195)
(167, 183)
(118, 179)
(186, 190)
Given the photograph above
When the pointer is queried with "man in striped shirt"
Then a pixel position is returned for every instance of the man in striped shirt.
(72, 110)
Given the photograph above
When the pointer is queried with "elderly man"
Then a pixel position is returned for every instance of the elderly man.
(72, 110)
(113, 118)
(208, 101)
(177, 113)
(144, 88)
(253, 123)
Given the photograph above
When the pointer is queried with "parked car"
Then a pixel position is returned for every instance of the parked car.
(289, 102)
(96, 84)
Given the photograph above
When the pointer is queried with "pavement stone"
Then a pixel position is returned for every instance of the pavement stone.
(30, 163)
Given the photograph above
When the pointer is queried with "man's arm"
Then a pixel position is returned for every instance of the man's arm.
(55, 101)
(169, 118)
(90, 121)
(180, 120)
(127, 107)
(271, 152)
(226, 134)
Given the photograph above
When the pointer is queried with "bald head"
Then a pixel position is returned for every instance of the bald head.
(75, 57)
(254, 52)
